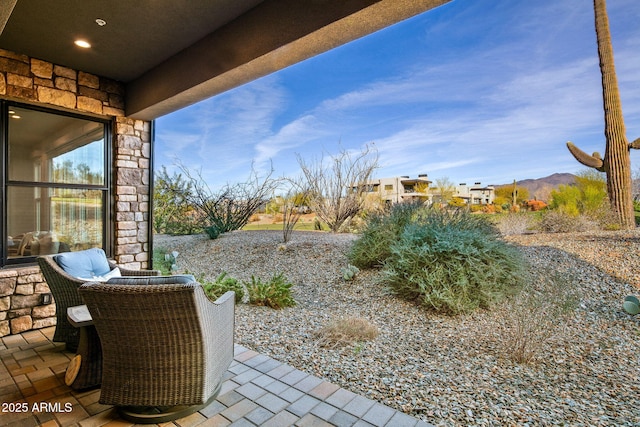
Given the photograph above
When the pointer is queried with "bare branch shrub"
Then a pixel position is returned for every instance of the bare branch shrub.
(515, 223)
(558, 221)
(537, 315)
(337, 188)
(230, 207)
(294, 205)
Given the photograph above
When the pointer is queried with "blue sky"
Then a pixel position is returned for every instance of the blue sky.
(475, 90)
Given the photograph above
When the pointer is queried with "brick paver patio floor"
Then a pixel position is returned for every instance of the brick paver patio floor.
(258, 391)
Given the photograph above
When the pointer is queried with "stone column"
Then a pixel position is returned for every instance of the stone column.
(132, 192)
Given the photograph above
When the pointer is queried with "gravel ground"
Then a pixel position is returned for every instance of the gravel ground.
(449, 371)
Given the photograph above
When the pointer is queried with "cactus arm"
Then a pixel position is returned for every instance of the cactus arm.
(635, 144)
(592, 161)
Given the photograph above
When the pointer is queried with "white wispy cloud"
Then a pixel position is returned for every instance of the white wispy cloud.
(218, 135)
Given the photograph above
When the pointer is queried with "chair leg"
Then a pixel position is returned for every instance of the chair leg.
(162, 414)
(88, 361)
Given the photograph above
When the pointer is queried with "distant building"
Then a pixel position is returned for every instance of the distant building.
(399, 189)
(476, 194)
(403, 188)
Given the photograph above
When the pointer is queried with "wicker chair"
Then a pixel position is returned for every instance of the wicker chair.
(64, 288)
(165, 347)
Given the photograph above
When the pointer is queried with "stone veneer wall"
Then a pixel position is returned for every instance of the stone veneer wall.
(38, 82)
(20, 295)
(132, 183)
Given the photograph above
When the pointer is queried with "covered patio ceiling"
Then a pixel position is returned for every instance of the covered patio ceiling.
(174, 53)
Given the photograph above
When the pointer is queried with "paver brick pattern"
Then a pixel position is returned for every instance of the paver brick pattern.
(257, 391)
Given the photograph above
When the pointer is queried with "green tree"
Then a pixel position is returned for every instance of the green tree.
(588, 196)
(504, 195)
(172, 213)
(593, 189)
(443, 190)
(566, 199)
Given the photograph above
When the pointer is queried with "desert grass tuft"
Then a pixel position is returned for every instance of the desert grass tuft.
(346, 331)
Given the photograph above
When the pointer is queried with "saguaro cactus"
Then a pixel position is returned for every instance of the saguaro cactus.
(616, 162)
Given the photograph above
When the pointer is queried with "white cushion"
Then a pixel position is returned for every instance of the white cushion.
(113, 273)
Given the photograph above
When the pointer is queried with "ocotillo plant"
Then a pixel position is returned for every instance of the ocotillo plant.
(616, 162)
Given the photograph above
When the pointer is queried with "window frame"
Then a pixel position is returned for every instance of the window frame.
(6, 183)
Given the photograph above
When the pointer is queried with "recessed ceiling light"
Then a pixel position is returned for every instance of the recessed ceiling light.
(101, 22)
(15, 116)
(82, 43)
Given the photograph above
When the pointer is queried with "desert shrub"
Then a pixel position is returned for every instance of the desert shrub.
(276, 293)
(345, 331)
(379, 232)
(566, 199)
(457, 202)
(332, 191)
(452, 262)
(536, 205)
(587, 198)
(560, 221)
(222, 284)
(349, 272)
(515, 223)
(164, 260)
(231, 206)
(172, 213)
(536, 315)
(489, 209)
(213, 231)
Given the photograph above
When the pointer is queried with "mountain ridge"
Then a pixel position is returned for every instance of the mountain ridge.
(540, 188)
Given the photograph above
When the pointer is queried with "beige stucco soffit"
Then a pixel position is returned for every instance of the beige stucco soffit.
(268, 38)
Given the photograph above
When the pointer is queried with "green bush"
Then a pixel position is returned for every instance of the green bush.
(349, 272)
(453, 263)
(163, 260)
(276, 293)
(222, 284)
(381, 229)
(172, 213)
(212, 231)
(450, 261)
(587, 199)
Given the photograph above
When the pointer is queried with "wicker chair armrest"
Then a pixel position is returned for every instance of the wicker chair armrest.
(217, 320)
(224, 299)
(219, 314)
(130, 272)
